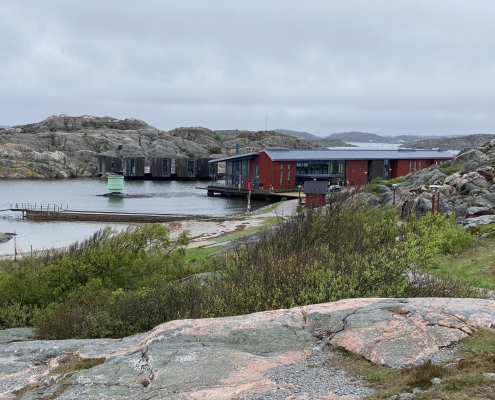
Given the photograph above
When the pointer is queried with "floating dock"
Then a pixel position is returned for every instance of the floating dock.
(101, 216)
(265, 194)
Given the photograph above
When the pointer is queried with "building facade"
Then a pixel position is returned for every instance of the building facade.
(286, 169)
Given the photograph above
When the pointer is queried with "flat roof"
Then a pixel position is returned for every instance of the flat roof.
(344, 154)
(355, 154)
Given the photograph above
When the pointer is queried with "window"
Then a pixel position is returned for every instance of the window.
(190, 167)
(132, 165)
(288, 174)
(362, 165)
(164, 167)
(281, 174)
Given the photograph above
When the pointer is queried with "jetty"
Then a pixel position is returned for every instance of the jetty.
(264, 194)
(51, 212)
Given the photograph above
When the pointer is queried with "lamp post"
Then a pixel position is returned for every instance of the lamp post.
(365, 177)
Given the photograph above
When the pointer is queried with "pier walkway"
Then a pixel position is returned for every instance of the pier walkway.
(52, 212)
(271, 195)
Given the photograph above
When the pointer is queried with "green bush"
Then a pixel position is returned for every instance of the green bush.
(190, 154)
(214, 150)
(400, 179)
(345, 250)
(218, 138)
(449, 169)
(109, 260)
(374, 185)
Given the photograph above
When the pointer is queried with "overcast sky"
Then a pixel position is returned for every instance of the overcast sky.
(386, 67)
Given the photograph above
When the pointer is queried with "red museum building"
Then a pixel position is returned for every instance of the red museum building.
(285, 169)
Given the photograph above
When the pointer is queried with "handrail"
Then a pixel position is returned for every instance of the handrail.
(38, 206)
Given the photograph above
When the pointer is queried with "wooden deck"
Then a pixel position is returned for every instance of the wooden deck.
(271, 195)
(101, 216)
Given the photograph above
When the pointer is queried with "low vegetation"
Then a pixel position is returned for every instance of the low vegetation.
(449, 169)
(117, 284)
(474, 266)
(470, 375)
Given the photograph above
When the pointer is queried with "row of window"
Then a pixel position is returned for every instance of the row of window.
(320, 167)
(282, 174)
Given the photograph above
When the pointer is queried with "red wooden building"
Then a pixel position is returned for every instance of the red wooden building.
(285, 169)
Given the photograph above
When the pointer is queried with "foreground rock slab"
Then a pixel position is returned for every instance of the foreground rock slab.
(269, 355)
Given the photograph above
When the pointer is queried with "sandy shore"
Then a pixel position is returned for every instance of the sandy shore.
(201, 232)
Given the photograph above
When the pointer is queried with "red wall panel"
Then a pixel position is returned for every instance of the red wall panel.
(356, 172)
(270, 172)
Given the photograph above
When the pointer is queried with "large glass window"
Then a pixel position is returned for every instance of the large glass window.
(288, 174)
(320, 167)
(235, 170)
(281, 174)
(132, 165)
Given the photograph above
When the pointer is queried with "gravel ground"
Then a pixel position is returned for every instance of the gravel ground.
(313, 378)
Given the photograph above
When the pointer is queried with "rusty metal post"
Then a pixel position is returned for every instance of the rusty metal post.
(438, 202)
(433, 204)
(393, 202)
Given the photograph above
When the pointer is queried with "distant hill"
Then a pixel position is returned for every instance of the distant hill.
(302, 135)
(316, 140)
(365, 137)
(452, 143)
(4, 126)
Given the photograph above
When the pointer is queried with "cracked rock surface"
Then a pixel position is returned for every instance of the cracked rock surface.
(269, 355)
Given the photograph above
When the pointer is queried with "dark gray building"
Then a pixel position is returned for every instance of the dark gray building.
(108, 163)
(206, 170)
(134, 167)
(185, 168)
(161, 167)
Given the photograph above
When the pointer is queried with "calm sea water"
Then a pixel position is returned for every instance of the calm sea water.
(168, 197)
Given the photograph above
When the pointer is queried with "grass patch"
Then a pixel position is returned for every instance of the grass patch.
(195, 254)
(482, 342)
(449, 169)
(475, 265)
(72, 362)
(464, 377)
(400, 179)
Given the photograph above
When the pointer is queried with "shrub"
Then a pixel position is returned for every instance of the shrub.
(400, 179)
(374, 185)
(190, 154)
(344, 250)
(449, 169)
(214, 150)
(108, 260)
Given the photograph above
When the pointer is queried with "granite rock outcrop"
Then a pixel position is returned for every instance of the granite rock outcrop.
(64, 146)
(271, 353)
(464, 186)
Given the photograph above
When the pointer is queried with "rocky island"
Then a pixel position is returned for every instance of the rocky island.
(64, 146)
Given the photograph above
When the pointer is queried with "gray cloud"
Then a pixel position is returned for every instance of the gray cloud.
(408, 67)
